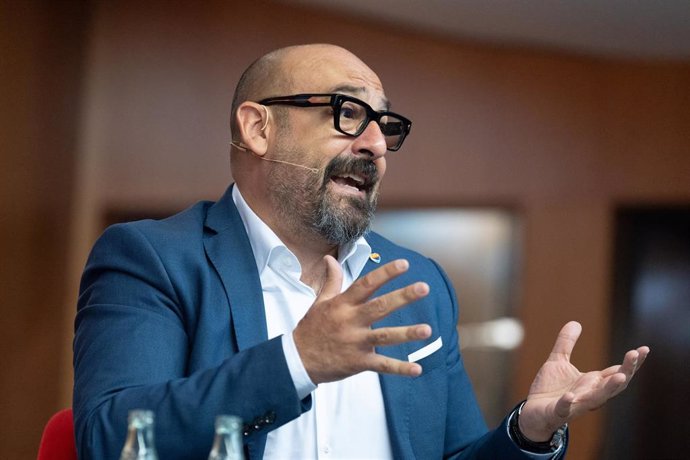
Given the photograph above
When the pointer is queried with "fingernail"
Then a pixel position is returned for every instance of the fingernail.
(401, 264)
(424, 331)
(421, 288)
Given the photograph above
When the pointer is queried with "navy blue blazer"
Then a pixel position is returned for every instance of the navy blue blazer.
(170, 318)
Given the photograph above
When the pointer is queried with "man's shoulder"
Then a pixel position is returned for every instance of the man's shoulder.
(184, 224)
(172, 235)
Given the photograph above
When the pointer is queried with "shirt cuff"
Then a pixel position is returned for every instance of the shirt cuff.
(300, 378)
(549, 455)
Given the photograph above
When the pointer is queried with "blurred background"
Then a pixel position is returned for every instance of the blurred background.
(548, 169)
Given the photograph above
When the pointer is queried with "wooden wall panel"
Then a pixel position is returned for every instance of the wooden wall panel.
(40, 49)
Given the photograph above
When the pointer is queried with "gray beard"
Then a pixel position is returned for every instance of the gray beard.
(313, 205)
(343, 226)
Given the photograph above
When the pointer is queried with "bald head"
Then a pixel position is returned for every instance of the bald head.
(292, 70)
(260, 79)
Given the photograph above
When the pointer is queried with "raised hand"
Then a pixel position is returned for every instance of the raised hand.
(335, 340)
(560, 392)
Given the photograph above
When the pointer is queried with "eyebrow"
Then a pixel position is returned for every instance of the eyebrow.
(358, 90)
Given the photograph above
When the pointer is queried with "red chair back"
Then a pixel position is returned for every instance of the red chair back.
(57, 442)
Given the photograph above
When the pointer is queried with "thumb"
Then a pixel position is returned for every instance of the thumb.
(565, 342)
(333, 283)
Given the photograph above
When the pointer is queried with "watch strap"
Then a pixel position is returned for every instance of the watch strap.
(545, 447)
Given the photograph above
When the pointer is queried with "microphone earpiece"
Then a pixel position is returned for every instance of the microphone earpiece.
(314, 170)
(265, 122)
(238, 145)
(243, 148)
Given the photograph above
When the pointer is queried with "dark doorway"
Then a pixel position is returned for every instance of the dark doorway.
(651, 305)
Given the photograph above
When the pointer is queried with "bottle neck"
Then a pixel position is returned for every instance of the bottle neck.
(140, 440)
(227, 443)
(140, 444)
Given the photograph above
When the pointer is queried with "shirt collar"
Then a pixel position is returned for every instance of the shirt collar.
(264, 241)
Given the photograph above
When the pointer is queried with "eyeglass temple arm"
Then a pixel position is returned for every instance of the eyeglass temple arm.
(299, 101)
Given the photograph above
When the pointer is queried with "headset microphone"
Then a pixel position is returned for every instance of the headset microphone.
(245, 149)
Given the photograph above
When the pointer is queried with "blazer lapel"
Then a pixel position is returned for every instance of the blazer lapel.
(227, 247)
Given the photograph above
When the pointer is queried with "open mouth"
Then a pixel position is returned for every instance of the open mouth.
(352, 182)
(356, 177)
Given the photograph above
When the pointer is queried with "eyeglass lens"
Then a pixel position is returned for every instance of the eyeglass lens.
(353, 119)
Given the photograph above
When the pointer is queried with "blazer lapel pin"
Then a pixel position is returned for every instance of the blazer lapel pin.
(375, 257)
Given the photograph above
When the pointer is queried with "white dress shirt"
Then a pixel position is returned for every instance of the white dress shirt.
(347, 419)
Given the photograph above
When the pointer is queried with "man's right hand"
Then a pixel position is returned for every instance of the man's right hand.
(335, 339)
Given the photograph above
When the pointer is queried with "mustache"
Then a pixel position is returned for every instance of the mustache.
(362, 167)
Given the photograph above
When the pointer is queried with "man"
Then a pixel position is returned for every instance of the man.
(276, 305)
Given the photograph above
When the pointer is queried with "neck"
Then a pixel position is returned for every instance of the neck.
(310, 250)
(308, 246)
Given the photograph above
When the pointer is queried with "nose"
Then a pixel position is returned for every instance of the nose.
(371, 142)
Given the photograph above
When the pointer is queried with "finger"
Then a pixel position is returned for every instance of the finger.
(630, 362)
(564, 405)
(396, 335)
(385, 365)
(643, 352)
(380, 307)
(609, 371)
(565, 342)
(614, 385)
(594, 398)
(333, 283)
(364, 287)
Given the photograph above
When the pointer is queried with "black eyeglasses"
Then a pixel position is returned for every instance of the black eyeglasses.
(351, 116)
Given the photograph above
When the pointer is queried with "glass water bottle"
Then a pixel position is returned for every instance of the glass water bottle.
(227, 444)
(139, 444)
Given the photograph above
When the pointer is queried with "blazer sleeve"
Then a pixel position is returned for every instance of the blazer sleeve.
(131, 350)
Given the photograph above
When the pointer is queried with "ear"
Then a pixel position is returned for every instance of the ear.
(252, 123)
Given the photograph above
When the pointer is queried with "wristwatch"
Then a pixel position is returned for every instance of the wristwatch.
(545, 447)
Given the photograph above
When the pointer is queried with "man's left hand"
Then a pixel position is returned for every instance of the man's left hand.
(560, 392)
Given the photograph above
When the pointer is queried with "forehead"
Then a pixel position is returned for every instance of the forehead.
(335, 70)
